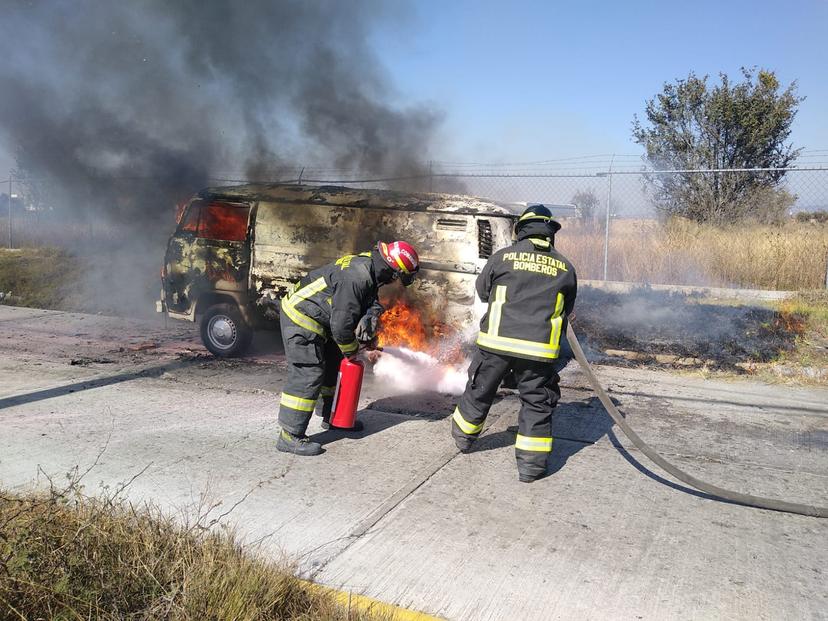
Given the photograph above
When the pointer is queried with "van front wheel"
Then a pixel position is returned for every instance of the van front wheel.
(224, 331)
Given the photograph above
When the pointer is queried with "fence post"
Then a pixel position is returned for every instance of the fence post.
(607, 223)
(11, 245)
(430, 176)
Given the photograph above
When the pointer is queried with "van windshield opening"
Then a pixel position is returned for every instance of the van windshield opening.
(216, 220)
(224, 221)
(189, 223)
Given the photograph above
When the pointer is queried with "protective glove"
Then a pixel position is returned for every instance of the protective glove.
(366, 329)
(373, 355)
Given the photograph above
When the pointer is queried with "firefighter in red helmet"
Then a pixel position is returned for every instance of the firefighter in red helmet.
(530, 289)
(325, 317)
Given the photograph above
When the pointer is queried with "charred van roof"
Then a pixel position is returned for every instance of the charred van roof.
(350, 197)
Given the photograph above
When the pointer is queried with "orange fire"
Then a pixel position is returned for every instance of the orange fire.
(403, 326)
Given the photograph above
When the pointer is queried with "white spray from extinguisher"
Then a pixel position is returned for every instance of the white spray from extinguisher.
(407, 370)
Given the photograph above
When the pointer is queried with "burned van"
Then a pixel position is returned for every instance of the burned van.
(237, 250)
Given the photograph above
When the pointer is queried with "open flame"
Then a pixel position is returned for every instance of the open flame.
(407, 326)
(403, 326)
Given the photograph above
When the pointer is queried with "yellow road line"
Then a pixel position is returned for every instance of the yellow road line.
(353, 601)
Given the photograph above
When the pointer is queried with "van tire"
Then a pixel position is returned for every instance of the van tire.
(224, 331)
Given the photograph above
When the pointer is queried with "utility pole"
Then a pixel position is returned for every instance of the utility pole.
(607, 224)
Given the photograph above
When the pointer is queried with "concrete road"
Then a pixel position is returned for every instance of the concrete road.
(398, 515)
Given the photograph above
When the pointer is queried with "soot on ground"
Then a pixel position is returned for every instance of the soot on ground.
(678, 330)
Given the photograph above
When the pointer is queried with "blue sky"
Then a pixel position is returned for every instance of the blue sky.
(523, 81)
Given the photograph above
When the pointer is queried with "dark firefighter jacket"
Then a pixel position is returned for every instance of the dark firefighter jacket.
(530, 288)
(331, 300)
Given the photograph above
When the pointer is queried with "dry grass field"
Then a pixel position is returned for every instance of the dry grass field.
(792, 256)
(67, 556)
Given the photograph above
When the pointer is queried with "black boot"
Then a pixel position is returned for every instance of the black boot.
(298, 445)
(464, 443)
(530, 478)
(326, 424)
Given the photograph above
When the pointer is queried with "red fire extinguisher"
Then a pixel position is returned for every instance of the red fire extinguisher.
(346, 397)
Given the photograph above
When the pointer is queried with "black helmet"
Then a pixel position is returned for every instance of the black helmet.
(537, 213)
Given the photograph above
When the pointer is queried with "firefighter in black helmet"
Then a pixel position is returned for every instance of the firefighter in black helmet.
(530, 289)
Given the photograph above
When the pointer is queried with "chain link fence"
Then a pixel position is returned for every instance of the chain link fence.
(611, 210)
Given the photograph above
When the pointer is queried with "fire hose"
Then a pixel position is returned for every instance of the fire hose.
(708, 488)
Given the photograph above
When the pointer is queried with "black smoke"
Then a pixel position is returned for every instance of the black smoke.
(126, 107)
(116, 111)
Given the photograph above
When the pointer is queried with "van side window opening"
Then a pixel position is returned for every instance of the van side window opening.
(223, 221)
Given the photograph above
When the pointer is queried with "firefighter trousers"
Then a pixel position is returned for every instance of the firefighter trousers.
(313, 366)
(537, 384)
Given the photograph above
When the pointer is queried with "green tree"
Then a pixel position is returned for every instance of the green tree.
(696, 125)
(587, 204)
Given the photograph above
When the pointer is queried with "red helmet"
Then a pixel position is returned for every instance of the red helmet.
(402, 258)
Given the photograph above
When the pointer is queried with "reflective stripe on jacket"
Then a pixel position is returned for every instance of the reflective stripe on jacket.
(331, 300)
(530, 288)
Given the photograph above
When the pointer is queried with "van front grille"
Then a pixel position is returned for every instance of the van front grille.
(484, 239)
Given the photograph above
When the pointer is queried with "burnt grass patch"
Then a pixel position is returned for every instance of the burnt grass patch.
(676, 330)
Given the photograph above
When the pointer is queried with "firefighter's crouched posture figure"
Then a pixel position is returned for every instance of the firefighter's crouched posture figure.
(327, 315)
(530, 289)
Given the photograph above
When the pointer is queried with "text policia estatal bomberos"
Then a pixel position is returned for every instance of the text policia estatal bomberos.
(533, 262)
